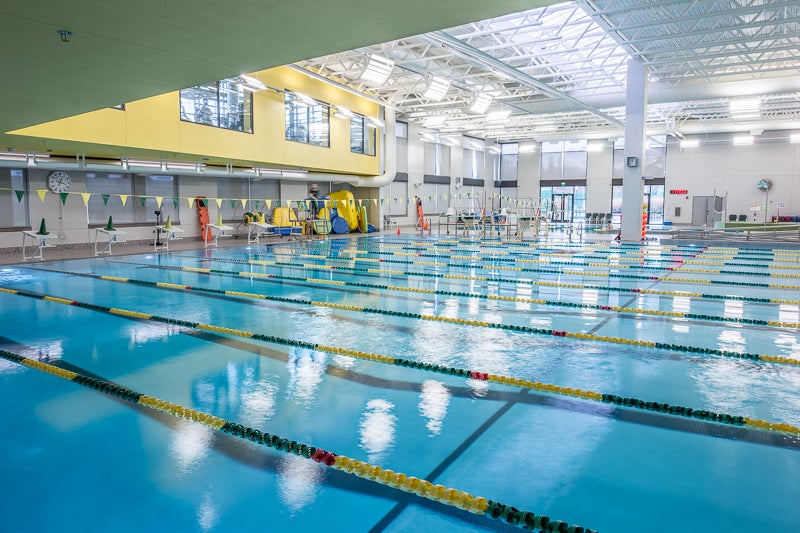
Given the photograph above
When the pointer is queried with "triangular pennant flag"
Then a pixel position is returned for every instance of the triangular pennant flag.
(143, 200)
(277, 203)
(124, 198)
(383, 200)
(255, 203)
(86, 196)
(19, 194)
(105, 198)
(233, 204)
(269, 203)
(41, 193)
(244, 202)
(191, 201)
(159, 199)
(64, 196)
(375, 201)
(175, 203)
(219, 202)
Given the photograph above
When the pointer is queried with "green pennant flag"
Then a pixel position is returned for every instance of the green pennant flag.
(143, 200)
(233, 204)
(277, 203)
(175, 203)
(105, 198)
(19, 194)
(255, 203)
(63, 196)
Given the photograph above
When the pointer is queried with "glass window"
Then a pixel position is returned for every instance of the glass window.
(224, 104)
(309, 124)
(13, 210)
(141, 204)
(106, 188)
(508, 161)
(362, 136)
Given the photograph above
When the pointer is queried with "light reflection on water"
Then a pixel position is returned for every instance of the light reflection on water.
(306, 369)
(207, 513)
(298, 481)
(189, 446)
(434, 399)
(377, 429)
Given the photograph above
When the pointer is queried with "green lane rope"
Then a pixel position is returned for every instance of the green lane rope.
(438, 292)
(287, 264)
(682, 265)
(453, 371)
(556, 270)
(420, 487)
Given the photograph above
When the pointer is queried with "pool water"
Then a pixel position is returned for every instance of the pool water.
(574, 316)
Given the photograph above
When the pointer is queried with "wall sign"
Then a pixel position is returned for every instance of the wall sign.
(679, 191)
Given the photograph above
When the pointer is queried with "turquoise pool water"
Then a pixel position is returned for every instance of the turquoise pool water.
(79, 459)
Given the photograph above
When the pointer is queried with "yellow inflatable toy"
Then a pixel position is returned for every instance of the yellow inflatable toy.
(344, 203)
(283, 216)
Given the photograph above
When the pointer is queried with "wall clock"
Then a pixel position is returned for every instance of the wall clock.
(59, 181)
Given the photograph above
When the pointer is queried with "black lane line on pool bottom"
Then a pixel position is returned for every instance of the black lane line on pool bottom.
(384, 522)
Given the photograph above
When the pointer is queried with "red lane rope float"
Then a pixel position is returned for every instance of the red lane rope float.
(420, 487)
(635, 403)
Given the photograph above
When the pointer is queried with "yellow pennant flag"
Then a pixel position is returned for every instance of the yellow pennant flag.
(86, 196)
(375, 201)
(244, 202)
(159, 199)
(41, 193)
(219, 202)
(124, 198)
(269, 203)
(191, 201)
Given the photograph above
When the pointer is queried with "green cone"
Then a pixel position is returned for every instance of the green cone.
(110, 225)
(42, 229)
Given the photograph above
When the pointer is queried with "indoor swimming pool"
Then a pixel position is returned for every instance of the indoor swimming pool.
(320, 385)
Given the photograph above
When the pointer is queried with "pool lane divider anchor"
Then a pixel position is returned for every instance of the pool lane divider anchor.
(420, 487)
(521, 383)
(777, 359)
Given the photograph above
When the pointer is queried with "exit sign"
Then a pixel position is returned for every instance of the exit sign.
(679, 191)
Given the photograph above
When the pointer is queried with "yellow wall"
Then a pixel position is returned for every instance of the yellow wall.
(154, 124)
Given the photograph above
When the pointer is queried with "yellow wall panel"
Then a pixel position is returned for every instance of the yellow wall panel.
(154, 124)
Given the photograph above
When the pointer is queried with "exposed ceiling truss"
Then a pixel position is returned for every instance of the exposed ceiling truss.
(561, 69)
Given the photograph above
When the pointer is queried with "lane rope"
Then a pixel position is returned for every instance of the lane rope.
(453, 371)
(396, 480)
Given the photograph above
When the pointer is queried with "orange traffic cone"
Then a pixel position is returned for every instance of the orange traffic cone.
(398, 231)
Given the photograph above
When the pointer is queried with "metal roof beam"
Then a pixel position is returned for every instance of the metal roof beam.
(469, 52)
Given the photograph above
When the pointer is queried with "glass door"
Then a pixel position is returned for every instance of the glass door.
(562, 207)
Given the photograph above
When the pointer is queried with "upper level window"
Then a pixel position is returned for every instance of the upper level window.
(307, 121)
(362, 136)
(224, 104)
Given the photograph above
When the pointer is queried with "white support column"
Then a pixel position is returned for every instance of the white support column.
(633, 166)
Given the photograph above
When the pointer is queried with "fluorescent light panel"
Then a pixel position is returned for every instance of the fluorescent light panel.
(377, 70)
(437, 88)
(435, 122)
(498, 116)
(252, 84)
(743, 140)
(480, 103)
(794, 138)
(527, 148)
(690, 143)
(343, 112)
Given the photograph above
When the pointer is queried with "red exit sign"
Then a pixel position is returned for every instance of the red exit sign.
(679, 191)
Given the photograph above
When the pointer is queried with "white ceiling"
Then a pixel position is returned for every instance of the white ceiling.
(561, 69)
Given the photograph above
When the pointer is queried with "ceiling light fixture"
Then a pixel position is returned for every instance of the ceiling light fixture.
(251, 84)
(690, 143)
(343, 112)
(375, 122)
(794, 138)
(435, 121)
(437, 88)
(377, 70)
(500, 115)
(480, 103)
(305, 99)
(743, 140)
(527, 148)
